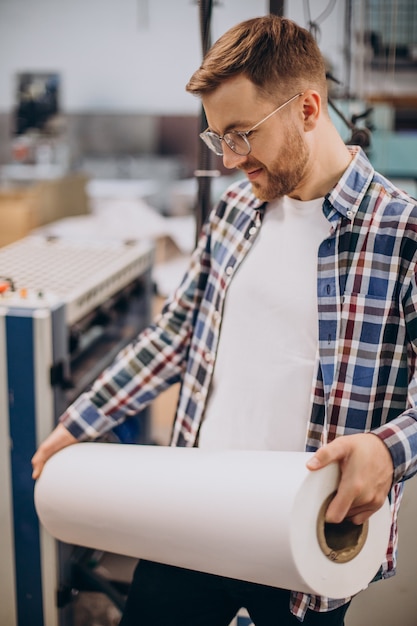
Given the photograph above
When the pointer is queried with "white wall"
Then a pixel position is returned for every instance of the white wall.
(330, 38)
(137, 55)
(113, 55)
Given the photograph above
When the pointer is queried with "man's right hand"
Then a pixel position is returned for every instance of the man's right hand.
(59, 438)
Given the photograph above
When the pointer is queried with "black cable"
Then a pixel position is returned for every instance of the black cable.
(314, 25)
(327, 11)
(307, 12)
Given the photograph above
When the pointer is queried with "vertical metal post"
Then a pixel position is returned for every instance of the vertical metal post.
(277, 7)
(204, 155)
(204, 173)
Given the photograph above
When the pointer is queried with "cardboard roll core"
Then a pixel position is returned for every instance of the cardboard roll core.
(340, 542)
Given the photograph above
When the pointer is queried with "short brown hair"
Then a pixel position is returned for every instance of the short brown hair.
(273, 52)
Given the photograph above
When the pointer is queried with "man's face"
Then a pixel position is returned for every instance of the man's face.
(283, 173)
(279, 156)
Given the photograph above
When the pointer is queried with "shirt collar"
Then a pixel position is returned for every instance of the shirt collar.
(347, 195)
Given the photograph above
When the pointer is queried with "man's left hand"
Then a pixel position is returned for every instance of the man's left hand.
(366, 475)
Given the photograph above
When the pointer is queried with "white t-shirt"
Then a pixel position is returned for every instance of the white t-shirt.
(260, 397)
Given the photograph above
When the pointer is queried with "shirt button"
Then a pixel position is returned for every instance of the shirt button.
(252, 230)
(198, 396)
(189, 436)
(229, 270)
(349, 214)
(208, 357)
(216, 316)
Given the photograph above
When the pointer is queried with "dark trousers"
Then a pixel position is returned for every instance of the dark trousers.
(161, 595)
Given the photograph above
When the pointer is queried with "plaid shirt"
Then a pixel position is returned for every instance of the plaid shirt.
(367, 308)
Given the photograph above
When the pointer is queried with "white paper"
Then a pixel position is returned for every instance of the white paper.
(242, 514)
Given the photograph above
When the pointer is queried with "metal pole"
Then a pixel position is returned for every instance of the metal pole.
(204, 172)
(277, 7)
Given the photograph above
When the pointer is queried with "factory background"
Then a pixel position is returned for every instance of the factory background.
(95, 122)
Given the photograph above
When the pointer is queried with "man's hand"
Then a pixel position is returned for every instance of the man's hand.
(366, 475)
(59, 438)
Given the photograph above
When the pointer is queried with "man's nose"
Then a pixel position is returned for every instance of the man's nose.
(231, 160)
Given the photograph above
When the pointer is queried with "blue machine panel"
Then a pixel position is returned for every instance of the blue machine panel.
(20, 366)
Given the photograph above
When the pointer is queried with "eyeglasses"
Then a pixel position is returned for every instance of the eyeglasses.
(237, 140)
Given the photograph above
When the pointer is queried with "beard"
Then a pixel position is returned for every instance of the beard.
(285, 173)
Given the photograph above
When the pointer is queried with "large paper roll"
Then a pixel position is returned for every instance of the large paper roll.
(255, 516)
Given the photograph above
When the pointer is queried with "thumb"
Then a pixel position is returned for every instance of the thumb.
(329, 453)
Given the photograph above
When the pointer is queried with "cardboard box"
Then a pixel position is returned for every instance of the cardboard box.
(164, 406)
(166, 249)
(24, 208)
(163, 414)
(61, 197)
(17, 215)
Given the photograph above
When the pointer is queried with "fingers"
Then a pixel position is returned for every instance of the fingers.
(58, 439)
(366, 475)
(330, 453)
(38, 462)
(37, 465)
(349, 502)
(336, 452)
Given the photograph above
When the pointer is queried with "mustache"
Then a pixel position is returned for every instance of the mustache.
(250, 166)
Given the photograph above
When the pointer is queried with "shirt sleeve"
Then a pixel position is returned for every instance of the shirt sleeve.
(148, 365)
(400, 434)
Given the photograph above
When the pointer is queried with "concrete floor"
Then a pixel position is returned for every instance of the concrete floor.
(95, 609)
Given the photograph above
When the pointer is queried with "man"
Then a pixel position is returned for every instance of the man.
(295, 326)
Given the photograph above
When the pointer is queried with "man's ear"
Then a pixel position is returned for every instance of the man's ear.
(311, 109)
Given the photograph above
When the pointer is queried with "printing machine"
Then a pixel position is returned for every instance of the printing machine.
(66, 309)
